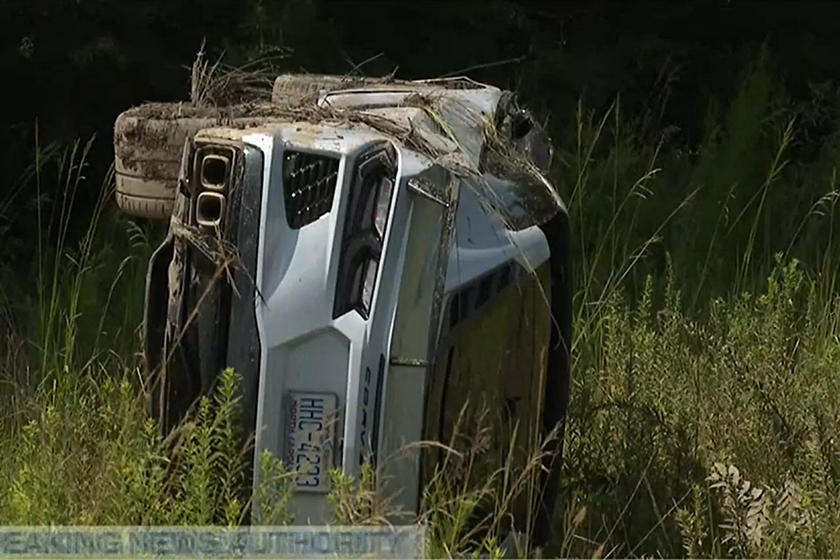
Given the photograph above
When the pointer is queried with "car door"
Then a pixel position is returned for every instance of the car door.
(486, 388)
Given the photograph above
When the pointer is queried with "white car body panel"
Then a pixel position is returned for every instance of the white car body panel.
(304, 348)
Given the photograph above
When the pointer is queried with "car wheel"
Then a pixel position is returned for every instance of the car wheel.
(148, 143)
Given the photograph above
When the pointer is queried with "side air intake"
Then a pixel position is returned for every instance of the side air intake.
(309, 183)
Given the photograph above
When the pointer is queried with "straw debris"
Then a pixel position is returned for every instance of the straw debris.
(485, 155)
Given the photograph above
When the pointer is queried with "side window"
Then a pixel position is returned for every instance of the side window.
(472, 297)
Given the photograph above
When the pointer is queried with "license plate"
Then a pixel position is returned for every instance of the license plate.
(311, 429)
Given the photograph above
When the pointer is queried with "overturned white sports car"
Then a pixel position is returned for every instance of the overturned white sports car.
(368, 255)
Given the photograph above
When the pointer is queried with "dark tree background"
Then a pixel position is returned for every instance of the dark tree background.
(70, 66)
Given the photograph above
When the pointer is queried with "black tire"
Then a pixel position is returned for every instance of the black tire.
(558, 233)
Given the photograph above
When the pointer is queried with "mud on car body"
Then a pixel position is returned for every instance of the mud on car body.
(365, 283)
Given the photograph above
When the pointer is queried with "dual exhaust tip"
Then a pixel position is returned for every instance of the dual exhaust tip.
(214, 170)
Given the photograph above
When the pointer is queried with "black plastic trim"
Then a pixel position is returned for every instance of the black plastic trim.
(377, 410)
(243, 343)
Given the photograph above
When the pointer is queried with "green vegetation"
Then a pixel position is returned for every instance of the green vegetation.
(704, 408)
(704, 403)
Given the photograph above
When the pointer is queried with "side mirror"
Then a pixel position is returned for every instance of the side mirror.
(525, 135)
(533, 142)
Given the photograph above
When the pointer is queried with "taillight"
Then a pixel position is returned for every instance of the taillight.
(383, 204)
(369, 284)
(368, 206)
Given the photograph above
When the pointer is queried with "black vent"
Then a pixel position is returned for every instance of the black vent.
(309, 182)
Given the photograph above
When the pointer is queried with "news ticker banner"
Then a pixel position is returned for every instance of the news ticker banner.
(399, 541)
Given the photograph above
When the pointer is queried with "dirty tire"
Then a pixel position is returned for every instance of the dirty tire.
(148, 144)
(143, 207)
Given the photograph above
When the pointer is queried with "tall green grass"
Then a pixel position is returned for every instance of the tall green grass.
(76, 443)
(704, 405)
(704, 408)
